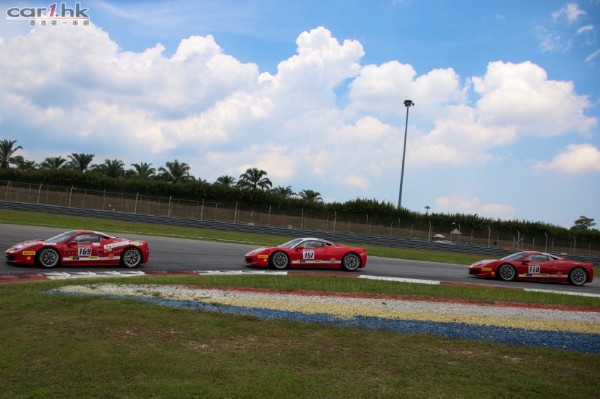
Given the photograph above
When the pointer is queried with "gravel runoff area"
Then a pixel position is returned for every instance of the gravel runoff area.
(547, 326)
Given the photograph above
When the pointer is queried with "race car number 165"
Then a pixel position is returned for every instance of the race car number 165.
(84, 251)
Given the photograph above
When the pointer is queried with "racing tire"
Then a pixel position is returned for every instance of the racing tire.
(351, 262)
(131, 257)
(279, 260)
(507, 272)
(48, 258)
(578, 276)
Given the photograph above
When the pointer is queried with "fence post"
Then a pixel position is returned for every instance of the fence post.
(39, 193)
(136, 200)
(70, 195)
(7, 188)
(169, 207)
(334, 220)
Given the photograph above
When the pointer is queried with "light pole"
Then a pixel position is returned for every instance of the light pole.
(407, 104)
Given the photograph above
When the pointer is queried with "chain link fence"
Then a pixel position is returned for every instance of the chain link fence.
(270, 215)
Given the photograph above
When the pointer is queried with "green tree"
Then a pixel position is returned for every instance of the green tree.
(310, 196)
(53, 163)
(7, 152)
(176, 172)
(142, 170)
(110, 168)
(24, 164)
(80, 162)
(254, 179)
(583, 223)
(226, 180)
(287, 192)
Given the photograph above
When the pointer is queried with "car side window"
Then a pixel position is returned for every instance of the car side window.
(87, 238)
(312, 244)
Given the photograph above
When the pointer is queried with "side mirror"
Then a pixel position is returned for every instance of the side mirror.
(526, 262)
(299, 248)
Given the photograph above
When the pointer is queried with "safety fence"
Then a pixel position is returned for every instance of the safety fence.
(271, 215)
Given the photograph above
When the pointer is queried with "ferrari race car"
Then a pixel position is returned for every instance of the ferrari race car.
(534, 266)
(303, 252)
(79, 248)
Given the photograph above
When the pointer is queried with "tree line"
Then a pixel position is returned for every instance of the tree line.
(253, 187)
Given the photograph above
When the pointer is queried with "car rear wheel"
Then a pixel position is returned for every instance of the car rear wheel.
(351, 262)
(48, 257)
(131, 257)
(578, 276)
(507, 272)
(280, 260)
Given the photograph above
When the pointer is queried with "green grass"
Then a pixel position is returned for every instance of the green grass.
(73, 347)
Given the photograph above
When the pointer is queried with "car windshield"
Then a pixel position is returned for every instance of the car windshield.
(291, 244)
(515, 256)
(60, 238)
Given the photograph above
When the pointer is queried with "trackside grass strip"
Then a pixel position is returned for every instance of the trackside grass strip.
(94, 347)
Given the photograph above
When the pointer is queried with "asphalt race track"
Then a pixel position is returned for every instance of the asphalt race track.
(175, 254)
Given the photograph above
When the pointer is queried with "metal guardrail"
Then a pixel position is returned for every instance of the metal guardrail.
(360, 238)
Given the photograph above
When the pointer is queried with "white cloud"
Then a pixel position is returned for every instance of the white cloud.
(356, 181)
(571, 12)
(222, 116)
(552, 41)
(521, 95)
(382, 89)
(472, 205)
(593, 56)
(578, 158)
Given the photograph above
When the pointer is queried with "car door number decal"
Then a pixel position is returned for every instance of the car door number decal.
(534, 269)
(308, 255)
(85, 251)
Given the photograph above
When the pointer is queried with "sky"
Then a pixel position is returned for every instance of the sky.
(505, 122)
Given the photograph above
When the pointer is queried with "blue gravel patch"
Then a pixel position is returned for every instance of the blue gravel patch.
(572, 341)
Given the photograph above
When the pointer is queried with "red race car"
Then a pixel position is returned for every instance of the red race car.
(302, 252)
(535, 266)
(79, 248)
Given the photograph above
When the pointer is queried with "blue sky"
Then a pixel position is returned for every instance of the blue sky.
(505, 122)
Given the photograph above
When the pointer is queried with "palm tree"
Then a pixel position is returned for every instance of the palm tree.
(254, 179)
(285, 191)
(80, 162)
(226, 180)
(310, 196)
(23, 164)
(53, 163)
(142, 170)
(110, 168)
(176, 172)
(7, 150)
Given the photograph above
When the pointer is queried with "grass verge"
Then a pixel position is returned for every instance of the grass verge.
(73, 347)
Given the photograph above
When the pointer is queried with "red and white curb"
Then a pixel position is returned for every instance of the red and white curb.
(12, 278)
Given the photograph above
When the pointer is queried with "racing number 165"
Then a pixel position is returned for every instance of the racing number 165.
(86, 251)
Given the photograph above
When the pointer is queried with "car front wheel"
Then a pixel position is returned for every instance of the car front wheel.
(131, 257)
(48, 257)
(280, 260)
(507, 272)
(577, 277)
(351, 262)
